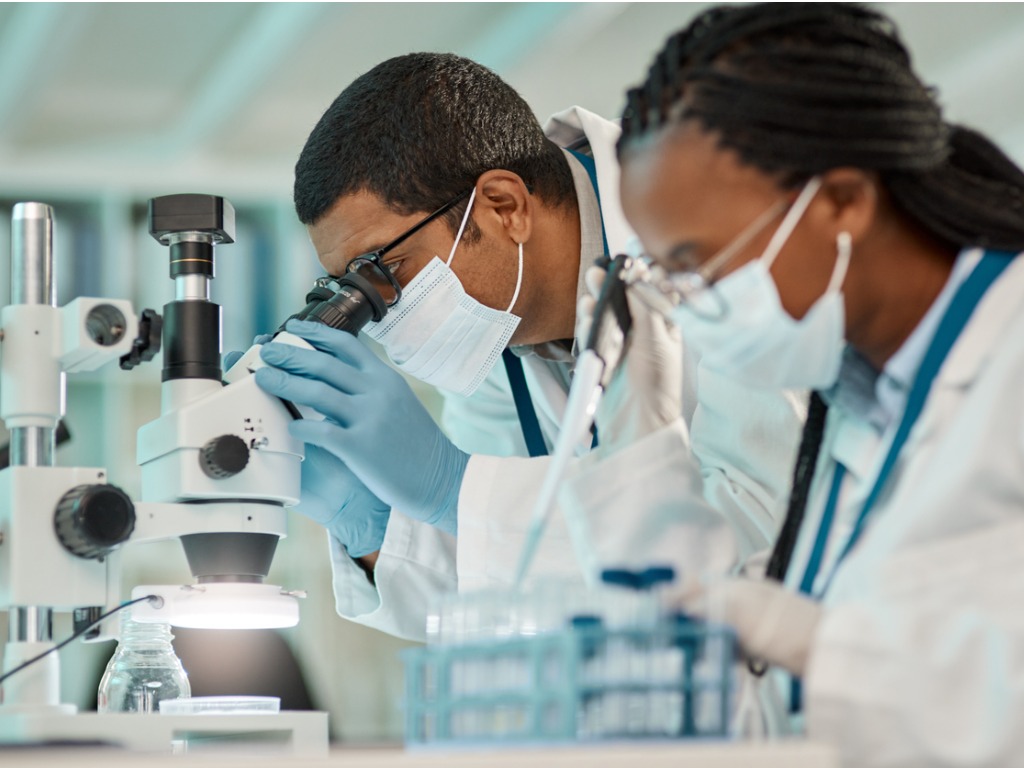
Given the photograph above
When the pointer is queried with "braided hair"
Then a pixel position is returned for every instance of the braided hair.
(799, 88)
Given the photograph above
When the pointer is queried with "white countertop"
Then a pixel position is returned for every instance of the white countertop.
(785, 754)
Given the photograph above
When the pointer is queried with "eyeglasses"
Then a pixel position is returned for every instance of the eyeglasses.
(381, 276)
(695, 287)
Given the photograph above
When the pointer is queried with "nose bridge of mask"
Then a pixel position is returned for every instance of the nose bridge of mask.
(426, 297)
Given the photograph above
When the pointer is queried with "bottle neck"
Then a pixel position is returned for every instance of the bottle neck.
(138, 634)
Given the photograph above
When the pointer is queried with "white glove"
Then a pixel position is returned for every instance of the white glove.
(771, 622)
(643, 394)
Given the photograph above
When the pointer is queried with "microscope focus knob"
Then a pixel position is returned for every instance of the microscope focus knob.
(224, 456)
(91, 520)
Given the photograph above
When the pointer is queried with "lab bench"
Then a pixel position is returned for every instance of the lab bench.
(781, 754)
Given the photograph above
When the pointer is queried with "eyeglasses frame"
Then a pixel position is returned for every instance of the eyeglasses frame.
(375, 257)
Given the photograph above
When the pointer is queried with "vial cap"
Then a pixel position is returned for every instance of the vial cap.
(621, 577)
(655, 575)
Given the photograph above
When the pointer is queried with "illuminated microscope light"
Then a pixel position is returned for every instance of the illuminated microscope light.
(219, 605)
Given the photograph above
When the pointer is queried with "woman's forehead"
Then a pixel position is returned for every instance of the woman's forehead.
(685, 166)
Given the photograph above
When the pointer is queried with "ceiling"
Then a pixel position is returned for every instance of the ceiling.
(149, 98)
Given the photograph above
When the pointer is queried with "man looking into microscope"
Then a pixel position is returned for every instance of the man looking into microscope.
(432, 178)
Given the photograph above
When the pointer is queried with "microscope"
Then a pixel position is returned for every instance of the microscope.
(58, 524)
(218, 465)
(219, 468)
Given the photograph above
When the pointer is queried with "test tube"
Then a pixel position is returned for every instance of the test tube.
(588, 631)
(619, 603)
(683, 634)
(660, 654)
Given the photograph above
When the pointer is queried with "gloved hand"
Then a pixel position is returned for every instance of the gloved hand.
(230, 358)
(372, 421)
(336, 499)
(645, 392)
(771, 622)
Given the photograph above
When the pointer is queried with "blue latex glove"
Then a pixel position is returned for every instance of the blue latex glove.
(230, 358)
(372, 421)
(338, 500)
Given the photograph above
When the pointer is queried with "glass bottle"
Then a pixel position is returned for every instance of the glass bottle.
(143, 671)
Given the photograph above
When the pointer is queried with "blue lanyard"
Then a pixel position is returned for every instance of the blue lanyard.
(960, 309)
(988, 269)
(796, 693)
(818, 552)
(528, 422)
(527, 414)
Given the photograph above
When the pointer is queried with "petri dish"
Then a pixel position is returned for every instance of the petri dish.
(222, 705)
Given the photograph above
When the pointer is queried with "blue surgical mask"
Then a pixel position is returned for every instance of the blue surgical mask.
(754, 340)
(441, 335)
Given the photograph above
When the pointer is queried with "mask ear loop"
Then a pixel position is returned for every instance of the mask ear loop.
(789, 222)
(519, 280)
(844, 249)
(458, 238)
(462, 227)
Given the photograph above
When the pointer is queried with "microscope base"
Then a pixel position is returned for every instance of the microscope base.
(285, 733)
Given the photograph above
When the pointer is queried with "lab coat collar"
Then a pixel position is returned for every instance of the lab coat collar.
(977, 343)
(879, 399)
(982, 334)
(577, 127)
(855, 390)
(897, 378)
(572, 125)
(591, 227)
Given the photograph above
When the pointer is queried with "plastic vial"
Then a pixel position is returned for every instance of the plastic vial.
(589, 677)
(662, 657)
(143, 671)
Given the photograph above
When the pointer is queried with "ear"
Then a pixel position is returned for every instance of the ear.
(848, 201)
(505, 207)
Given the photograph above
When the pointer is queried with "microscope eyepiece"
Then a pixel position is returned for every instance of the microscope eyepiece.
(346, 303)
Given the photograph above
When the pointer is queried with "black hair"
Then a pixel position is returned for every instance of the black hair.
(799, 88)
(803, 472)
(417, 130)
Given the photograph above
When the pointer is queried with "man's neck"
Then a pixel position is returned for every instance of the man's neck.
(573, 235)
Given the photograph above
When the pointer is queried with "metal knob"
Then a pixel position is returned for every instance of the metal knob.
(91, 520)
(224, 456)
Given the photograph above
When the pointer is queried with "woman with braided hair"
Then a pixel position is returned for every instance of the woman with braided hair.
(822, 227)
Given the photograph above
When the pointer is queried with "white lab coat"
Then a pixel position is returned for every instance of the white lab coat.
(919, 656)
(745, 440)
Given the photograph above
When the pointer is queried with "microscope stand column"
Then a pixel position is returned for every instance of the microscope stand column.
(30, 627)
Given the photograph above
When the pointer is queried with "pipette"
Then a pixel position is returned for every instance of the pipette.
(584, 396)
